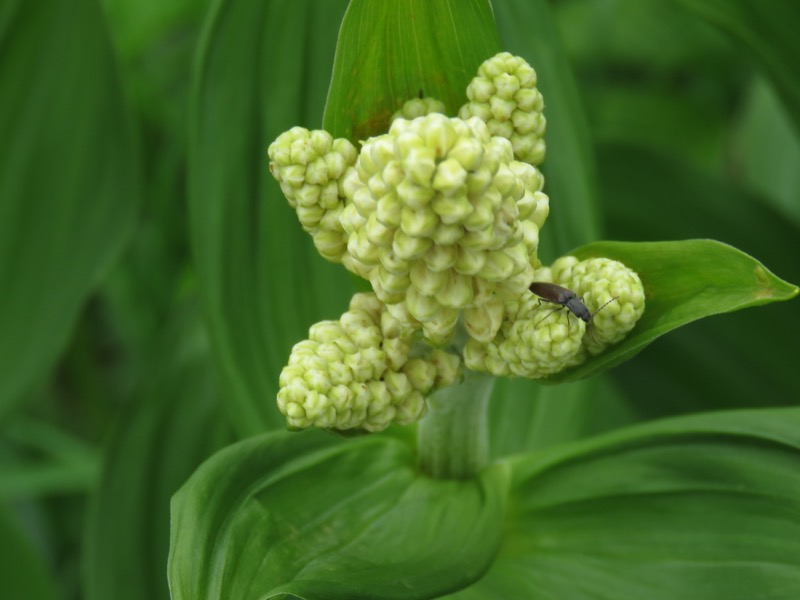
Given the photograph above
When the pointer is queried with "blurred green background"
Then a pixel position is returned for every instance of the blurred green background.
(152, 280)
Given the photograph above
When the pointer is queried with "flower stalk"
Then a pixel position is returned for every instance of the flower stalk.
(453, 438)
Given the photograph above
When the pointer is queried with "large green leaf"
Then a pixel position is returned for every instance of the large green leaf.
(768, 149)
(22, 570)
(390, 52)
(313, 516)
(769, 36)
(602, 36)
(701, 508)
(38, 460)
(157, 42)
(68, 177)
(175, 423)
(263, 68)
(525, 415)
(683, 281)
(528, 29)
(718, 363)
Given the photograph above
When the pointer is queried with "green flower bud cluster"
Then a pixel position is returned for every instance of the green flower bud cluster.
(505, 97)
(310, 165)
(538, 339)
(612, 292)
(443, 219)
(419, 107)
(442, 216)
(360, 372)
(534, 341)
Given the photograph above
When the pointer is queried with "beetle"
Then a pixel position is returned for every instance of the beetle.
(556, 294)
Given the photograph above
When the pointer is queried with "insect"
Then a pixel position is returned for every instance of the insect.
(555, 294)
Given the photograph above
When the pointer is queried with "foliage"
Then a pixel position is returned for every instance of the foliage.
(154, 281)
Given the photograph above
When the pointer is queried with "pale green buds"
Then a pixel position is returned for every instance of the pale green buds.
(357, 372)
(504, 96)
(612, 292)
(534, 341)
(310, 166)
(441, 210)
(538, 338)
(419, 107)
(442, 216)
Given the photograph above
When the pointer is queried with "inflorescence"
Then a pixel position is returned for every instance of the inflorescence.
(442, 216)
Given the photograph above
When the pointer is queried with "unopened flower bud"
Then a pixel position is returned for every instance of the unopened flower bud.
(310, 166)
(419, 107)
(612, 293)
(504, 95)
(356, 372)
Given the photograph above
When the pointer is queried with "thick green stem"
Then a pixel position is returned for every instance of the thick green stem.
(453, 438)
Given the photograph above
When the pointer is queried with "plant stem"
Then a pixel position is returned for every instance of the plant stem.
(453, 438)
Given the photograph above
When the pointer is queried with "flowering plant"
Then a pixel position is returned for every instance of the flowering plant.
(435, 203)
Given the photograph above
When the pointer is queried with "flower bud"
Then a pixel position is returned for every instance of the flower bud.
(419, 107)
(310, 166)
(504, 96)
(612, 293)
(356, 372)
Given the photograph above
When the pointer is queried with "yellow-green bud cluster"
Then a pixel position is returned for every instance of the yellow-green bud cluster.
(442, 215)
(504, 96)
(310, 165)
(358, 372)
(534, 341)
(607, 284)
(538, 339)
(442, 219)
(419, 107)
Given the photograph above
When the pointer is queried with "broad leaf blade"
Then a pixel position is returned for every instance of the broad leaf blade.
(683, 281)
(525, 415)
(68, 178)
(156, 443)
(769, 149)
(729, 361)
(390, 52)
(23, 572)
(310, 515)
(769, 36)
(528, 29)
(703, 507)
(263, 68)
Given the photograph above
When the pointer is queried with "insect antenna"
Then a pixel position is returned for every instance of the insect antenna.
(591, 318)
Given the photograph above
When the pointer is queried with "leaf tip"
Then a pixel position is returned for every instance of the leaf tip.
(772, 287)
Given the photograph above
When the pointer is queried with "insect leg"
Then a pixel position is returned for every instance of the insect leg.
(547, 315)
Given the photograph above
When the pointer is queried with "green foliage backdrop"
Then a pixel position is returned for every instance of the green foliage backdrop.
(153, 279)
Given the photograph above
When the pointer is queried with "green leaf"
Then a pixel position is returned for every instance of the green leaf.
(68, 178)
(44, 461)
(683, 281)
(311, 515)
(526, 415)
(154, 445)
(263, 68)
(390, 52)
(769, 36)
(639, 34)
(22, 571)
(728, 361)
(702, 508)
(648, 116)
(768, 150)
(528, 29)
